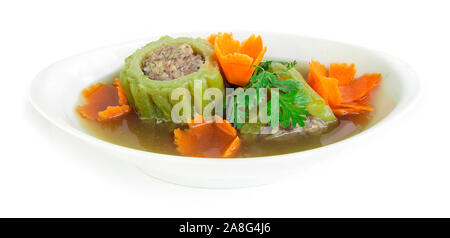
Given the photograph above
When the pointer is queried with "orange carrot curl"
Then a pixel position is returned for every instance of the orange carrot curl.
(338, 87)
(208, 138)
(236, 59)
(104, 102)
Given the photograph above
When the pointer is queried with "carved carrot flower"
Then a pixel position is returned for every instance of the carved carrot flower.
(340, 89)
(104, 102)
(208, 138)
(236, 58)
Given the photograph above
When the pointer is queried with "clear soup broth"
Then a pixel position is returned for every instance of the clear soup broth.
(130, 131)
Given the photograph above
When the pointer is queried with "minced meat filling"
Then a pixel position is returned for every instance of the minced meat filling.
(171, 62)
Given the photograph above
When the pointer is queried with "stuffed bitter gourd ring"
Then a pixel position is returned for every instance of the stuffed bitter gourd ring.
(151, 97)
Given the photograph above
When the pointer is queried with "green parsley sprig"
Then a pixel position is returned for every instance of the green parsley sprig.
(291, 100)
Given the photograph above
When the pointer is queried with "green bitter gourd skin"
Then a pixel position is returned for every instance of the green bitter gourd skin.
(152, 98)
(317, 106)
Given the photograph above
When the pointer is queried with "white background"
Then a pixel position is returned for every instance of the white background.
(402, 172)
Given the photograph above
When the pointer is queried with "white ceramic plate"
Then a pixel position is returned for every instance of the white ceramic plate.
(55, 93)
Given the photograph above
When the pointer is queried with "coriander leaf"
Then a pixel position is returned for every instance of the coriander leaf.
(286, 85)
(291, 65)
(292, 100)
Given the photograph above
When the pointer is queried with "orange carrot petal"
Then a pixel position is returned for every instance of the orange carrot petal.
(325, 86)
(225, 44)
(212, 38)
(342, 72)
(319, 69)
(359, 87)
(122, 98)
(226, 128)
(232, 149)
(112, 112)
(311, 80)
(315, 71)
(252, 46)
(236, 68)
(349, 109)
(86, 113)
(236, 59)
(207, 139)
(339, 89)
(91, 89)
(184, 141)
(104, 102)
(98, 98)
(344, 111)
(355, 106)
(331, 85)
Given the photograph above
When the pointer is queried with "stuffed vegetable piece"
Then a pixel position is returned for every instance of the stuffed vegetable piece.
(319, 116)
(317, 106)
(150, 75)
